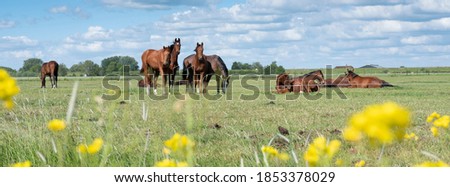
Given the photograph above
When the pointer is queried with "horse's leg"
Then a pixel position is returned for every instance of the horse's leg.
(43, 81)
(56, 81)
(146, 78)
(164, 81)
(200, 82)
(218, 84)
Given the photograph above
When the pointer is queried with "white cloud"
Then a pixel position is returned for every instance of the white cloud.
(77, 11)
(96, 33)
(13, 42)
(417, 40)
(6, 24)
(60, 9)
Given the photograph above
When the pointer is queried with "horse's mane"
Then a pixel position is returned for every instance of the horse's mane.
(222, 66)
(313, 72)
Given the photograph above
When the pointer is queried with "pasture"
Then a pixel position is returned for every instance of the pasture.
(228, 130)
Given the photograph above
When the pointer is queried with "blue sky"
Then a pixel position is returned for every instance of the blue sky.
(295, 33)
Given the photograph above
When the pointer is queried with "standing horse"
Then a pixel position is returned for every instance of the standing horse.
(357, 81)
(218, 67)
(50, 69)
(173, 67)
(155, 59)
(198, 69)
(307, 82)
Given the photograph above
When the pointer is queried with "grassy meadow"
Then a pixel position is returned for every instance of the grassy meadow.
(228, 130)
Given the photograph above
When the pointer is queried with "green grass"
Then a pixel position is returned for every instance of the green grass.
(245, 125)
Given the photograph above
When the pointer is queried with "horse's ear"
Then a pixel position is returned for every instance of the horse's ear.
(201, 44)
(198, 44)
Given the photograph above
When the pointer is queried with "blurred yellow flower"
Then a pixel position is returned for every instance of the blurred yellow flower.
(180, 143)
(382, 123)
(271, 152)
(166, 151)
(93, 148)
(433, 164)
(435, 131)
(442, 121)
(56, 125)
(170, 163)
(8, 89)
(361, 163)
(22, 164)
(319, 153)
(411, 136)
(433, 116)
(339, 162)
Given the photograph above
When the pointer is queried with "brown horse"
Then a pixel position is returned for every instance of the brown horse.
(340, 81)
(173, 67)
(357, 81)
(218, 68)
(50, 69)
(283, 83)
(142, 83)
(155, 59)
(199, 67)
(307, 82)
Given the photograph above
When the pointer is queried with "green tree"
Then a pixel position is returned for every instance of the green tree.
(31, 65)
(236, 66)
(258, 67)
(91, 68)
(273, 68)
(62, 71)
(10, 71)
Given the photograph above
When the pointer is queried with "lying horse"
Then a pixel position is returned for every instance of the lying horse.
(50, 69)
(283, 83)
(357, 81)
(340, 81)
(307, 82)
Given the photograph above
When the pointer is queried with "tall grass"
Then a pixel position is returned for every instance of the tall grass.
(228, 131)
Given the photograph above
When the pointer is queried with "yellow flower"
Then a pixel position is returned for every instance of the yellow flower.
(171, 163)
(433, 116)
(271, 152)
(432, 164)
(442, 121)
(361, 163)
(56, 125)
(435, 131)
(180, 143)
(166, 151)
(8, 89)
(319, 153)
(339, 162)
(411, 136)
(382, 123)
(93, 148)
(22, 164)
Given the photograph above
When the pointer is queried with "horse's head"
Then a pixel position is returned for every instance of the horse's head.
(199, 51)
(175, 49)
(350, 74)
(320, 76)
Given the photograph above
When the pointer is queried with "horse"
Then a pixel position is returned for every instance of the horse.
(340, 81)
(142, 83)
(357, 81)
(173, 67)
(155, 59)
(198, 69)
(50, 69)
(307, 82)
(283, 83)
(218, 67)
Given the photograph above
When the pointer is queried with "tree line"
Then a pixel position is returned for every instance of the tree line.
(109, 66)
(256, 68)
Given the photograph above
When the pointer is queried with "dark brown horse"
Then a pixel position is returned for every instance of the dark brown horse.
(357, 81)
(50, 69)
(171, 70)
(155, 59)
(283, 83)
(307, 82)
(218, 68)
(199, 68)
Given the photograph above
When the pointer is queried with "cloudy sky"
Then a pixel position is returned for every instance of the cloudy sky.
(295, 33)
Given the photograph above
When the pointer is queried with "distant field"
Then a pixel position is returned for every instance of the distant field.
(227, 129)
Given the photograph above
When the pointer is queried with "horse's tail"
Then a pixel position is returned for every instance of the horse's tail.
(386, 84)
